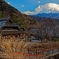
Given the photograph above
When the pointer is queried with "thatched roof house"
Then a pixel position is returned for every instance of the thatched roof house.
(8, 27)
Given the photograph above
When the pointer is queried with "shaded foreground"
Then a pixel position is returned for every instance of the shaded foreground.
(15, 48)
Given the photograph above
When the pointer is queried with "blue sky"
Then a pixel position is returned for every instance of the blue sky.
(35, 6)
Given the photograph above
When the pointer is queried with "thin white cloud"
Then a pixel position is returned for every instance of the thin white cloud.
(48, 7)
(37, 10)
(38, 1)
(52, 6)
(29, 12)
(8, 2)
(22, 5)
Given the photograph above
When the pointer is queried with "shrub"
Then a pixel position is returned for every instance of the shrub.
(56, 39)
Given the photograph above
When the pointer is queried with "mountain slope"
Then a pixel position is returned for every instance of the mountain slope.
(49, 28)
(38, 18)
(7, 10)
(46, 27)
(49, 15)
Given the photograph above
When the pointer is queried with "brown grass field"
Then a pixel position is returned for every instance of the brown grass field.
(14, 48)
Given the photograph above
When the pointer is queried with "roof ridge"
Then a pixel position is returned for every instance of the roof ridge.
(4, 18)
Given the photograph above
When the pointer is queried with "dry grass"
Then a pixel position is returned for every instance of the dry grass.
(10, 45)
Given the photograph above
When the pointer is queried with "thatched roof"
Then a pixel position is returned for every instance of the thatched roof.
(7, 26)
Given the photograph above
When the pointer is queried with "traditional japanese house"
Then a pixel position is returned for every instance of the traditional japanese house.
(8, 27)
